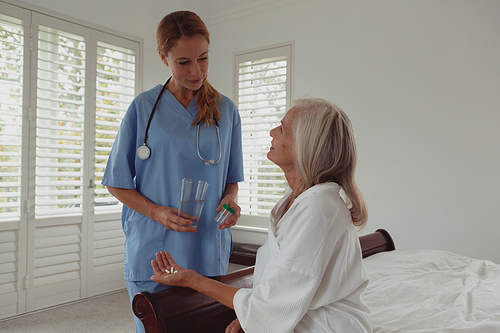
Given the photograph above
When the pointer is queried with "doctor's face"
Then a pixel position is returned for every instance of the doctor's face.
(188, 61)
(282, 145)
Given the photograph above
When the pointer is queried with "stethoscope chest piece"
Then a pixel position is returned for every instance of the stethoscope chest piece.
(143, 152)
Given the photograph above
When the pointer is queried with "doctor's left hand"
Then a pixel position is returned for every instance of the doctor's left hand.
(167, 272)
(228, 200)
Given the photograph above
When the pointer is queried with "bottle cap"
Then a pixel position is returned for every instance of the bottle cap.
(229, 209)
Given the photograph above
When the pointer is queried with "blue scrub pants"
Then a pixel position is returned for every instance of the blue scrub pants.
(135, 287)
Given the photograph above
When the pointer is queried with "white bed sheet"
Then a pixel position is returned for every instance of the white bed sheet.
(432, 291)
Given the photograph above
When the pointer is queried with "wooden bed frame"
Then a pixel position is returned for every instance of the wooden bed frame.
(178, 310)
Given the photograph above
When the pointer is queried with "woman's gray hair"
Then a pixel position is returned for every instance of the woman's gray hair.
(325, 147)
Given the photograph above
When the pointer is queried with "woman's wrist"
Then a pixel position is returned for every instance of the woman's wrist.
(195, 281)
(231, 191)
(154, 211)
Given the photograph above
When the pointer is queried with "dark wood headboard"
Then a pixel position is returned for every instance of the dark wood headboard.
(177, 310)
(379, 241)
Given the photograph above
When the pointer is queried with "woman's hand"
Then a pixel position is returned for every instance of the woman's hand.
(228, 200)
(234, 327)
(167, 217)
(167, 271)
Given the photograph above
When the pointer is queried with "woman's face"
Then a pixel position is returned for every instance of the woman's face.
(282, 151)
(188, 61)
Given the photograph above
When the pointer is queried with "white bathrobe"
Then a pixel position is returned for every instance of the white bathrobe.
(309, 275)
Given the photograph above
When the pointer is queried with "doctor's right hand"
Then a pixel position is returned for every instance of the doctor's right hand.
(167, 217)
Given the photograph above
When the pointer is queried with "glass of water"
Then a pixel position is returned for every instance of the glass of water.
(191, 199)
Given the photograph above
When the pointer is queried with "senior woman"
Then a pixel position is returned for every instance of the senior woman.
(309, 275)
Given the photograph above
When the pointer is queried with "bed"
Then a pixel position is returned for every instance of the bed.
(409, 291)
(432, 291)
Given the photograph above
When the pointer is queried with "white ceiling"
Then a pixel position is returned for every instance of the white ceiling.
(216, 11)
(215, 7)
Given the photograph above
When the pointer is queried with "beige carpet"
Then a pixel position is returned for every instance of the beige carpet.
(107, 314)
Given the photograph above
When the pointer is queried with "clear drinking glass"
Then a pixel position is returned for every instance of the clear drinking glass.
(191, 199)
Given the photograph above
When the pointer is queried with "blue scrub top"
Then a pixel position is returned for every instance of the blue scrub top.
(172, 141)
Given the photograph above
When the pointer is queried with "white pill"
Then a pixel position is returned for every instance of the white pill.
(172, 269)
(167, 270)
(176, 271)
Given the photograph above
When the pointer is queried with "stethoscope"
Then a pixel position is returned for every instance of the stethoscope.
(143, 152)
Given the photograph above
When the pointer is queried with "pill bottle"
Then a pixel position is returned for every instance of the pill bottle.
(224, 214)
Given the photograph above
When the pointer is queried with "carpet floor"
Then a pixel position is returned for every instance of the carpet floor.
(104, 314)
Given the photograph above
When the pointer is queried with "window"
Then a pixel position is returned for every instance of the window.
(64, 88)
(263, 95)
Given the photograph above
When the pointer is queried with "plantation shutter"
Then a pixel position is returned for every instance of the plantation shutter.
(263, 97)
(59, 123)
(57, 239)
(115, 88)
(117, 62)
(13, 98)
(64, 88)
(11, 116)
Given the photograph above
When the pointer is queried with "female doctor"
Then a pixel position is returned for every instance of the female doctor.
(309, 275)
(182, 129)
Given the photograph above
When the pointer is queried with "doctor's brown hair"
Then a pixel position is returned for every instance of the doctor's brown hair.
(325, 147)
(172, 28)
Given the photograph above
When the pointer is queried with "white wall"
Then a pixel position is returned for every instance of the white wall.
(419, 79)
(421, 82)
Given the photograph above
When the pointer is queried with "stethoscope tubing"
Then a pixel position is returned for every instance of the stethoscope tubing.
(143, 152)
(154, 109)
